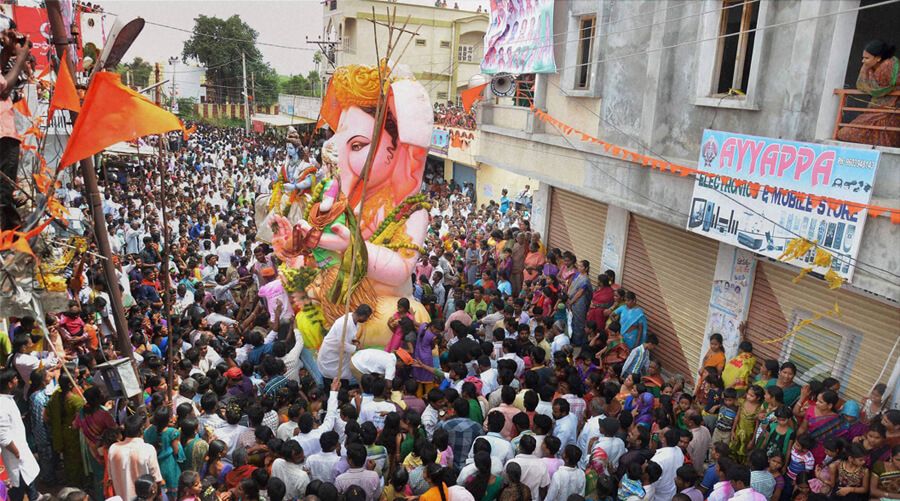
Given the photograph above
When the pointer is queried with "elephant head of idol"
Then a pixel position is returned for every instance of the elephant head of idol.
(349, 108)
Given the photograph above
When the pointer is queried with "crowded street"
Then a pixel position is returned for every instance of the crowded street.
(235, 276)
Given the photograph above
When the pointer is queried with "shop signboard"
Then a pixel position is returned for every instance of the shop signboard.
(731, 202)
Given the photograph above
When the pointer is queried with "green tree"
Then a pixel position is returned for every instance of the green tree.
(140, 72)
(299, 85)
(218, 44)
(186, 108)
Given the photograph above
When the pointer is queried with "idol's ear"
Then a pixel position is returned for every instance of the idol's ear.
(410, 105)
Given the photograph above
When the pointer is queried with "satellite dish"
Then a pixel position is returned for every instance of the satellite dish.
(503, 85)
(118, 42)
(478, 79)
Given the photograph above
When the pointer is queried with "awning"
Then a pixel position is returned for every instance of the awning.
(280, 120)
(130, 149)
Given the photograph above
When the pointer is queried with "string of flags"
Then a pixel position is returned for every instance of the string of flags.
(754, 188)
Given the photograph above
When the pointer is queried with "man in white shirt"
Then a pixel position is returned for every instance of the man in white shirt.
(131, 458)
(232, 431)
(569, 478)
(534, 470)
(377, 408)
(321, 465)
(609, 442)
(739, 476)
(591, 429)
(374, 361)
(566, 427)
(291, 471)
(329, 351)
(669, 458)
(21, 467)
(501, 449)
(309, 436)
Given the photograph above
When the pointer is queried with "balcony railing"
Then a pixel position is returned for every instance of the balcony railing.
(843, 107)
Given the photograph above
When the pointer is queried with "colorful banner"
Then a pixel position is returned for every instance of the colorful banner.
(519, 38)
(32, 21)
(819, 190)
(440, 141)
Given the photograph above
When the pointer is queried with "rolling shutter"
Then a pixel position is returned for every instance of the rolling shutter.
(853, 347)
(577, 224)
(671, 271)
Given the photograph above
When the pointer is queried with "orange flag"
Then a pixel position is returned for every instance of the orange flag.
(113, 113)
(65, 97)
(190, 130)
(22, 107)
(471, 96)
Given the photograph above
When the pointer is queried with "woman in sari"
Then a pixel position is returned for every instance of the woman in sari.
(37, 412)
(785, 381)
(551, 269)
(615, 351)
(632, 320)
(878, 78)
(715, 356)
(567, 269)
(64, 406)
(92, 420)
(579, 293)
(603, 298)
(169, 452)
(653, 380)
(885, 481)
(821, 421)
(534, 262)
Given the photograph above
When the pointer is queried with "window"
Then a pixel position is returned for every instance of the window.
(524, 95)
(821, 349)
(586, 29)
(441, 96)
(420, 42)
(445, 44)
(465, 53)
(735, 52)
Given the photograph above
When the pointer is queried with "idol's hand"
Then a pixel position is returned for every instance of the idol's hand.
(338, 240)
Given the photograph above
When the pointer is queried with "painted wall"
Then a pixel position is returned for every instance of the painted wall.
(431, 63)
(490, 180)
(649, 104)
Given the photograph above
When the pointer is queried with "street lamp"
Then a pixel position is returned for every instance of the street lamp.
(173, 60)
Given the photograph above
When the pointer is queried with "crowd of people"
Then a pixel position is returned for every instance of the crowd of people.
(451, 115)
(535, 378)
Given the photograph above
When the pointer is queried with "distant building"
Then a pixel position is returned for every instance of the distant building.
(446, 52)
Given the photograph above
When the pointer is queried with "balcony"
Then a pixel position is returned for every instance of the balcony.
(858, 98)
(454, 135)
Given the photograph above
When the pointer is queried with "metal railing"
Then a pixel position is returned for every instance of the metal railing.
(842, 107)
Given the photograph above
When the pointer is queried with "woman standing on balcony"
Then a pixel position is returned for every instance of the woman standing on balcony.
(878, 78)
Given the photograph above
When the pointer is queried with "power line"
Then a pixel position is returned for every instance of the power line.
(221, 37)
(663, 157)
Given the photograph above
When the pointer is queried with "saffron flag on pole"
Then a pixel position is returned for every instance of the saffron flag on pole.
(470, 96)
(65, 97)
(113, 113)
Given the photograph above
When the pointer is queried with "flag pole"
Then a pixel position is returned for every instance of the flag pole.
(123, 341)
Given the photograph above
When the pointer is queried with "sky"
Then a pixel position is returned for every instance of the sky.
(279, 22)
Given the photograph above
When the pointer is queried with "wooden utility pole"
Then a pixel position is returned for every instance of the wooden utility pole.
(164, 253)
(246, 96)
(123, 341)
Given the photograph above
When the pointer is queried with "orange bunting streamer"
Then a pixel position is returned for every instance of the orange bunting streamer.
(681, 170)
(43, 182)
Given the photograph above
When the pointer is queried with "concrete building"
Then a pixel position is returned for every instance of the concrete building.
(444, 55)
(651, 76)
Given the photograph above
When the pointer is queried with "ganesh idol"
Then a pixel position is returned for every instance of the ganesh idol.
(329, 249)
